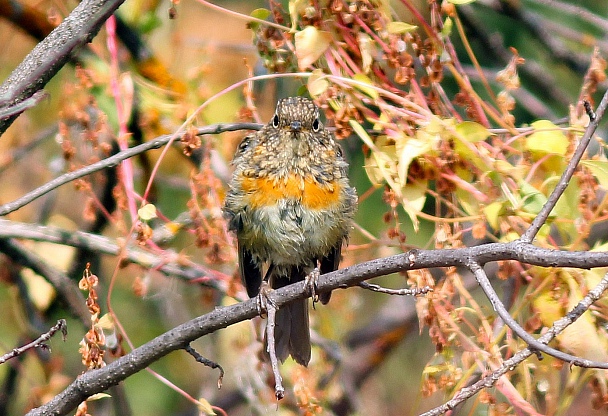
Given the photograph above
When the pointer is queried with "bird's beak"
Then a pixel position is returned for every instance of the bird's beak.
(295, 126)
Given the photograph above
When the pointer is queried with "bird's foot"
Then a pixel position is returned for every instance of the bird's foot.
(263, 301)
(311, 280)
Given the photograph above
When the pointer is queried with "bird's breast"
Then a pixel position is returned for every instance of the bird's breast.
(266, 191)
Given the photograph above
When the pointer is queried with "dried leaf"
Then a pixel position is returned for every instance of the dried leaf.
(310, 44)
(147, 212)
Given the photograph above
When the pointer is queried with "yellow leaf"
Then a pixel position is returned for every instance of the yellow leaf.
(492, 213)
(295, 8)
(41, 292)
(364, 79)
(400, 27)
(472, 132)
(310, 44)
(410, 151)
(98, 396)
(366, 46)
(317, 83)
(414, 197)
(547, 138)
(147, 212)
(459, 2)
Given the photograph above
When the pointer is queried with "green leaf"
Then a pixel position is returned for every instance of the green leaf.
(364, 79)
(599, 168)
(547, 138)
(261, 13)
(448, 24)
(400, 27)
(310, 45)
(532, 199)
(147, 212)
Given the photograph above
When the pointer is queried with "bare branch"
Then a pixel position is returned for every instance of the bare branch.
(105, 245)
(67, 289)
(534, 344)
(49, 56)
(179, 337)
(38, 343)
(115, 160)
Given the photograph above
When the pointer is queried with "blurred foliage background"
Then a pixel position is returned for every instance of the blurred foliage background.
(378, 354)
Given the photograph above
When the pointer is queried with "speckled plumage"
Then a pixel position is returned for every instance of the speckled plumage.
(291, 206)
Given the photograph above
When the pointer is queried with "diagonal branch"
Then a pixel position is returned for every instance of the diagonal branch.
(49, 56)
(561, 186)
(115, 160)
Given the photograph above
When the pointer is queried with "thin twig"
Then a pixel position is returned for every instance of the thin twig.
(206, 362)
(399, 292)
(279, 390)
(61, 325)
(561, 186)
(115, 160)
(20, 107)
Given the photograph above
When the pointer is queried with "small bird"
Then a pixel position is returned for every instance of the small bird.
(291, 207)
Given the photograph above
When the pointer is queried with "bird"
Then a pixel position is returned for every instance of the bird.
(291, 207)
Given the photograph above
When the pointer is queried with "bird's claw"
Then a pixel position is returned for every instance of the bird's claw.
(263, 300)
(311, 281)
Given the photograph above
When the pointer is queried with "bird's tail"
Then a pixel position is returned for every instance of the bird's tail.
(292, 333)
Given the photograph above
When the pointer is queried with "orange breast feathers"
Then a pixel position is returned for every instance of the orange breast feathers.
(264, 192)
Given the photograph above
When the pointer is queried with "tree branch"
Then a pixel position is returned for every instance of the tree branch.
(115, 160)
(38, 343)
(179, 337)
(49, 56)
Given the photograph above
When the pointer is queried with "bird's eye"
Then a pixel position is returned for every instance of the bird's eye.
(275, 121)
(316, 125)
